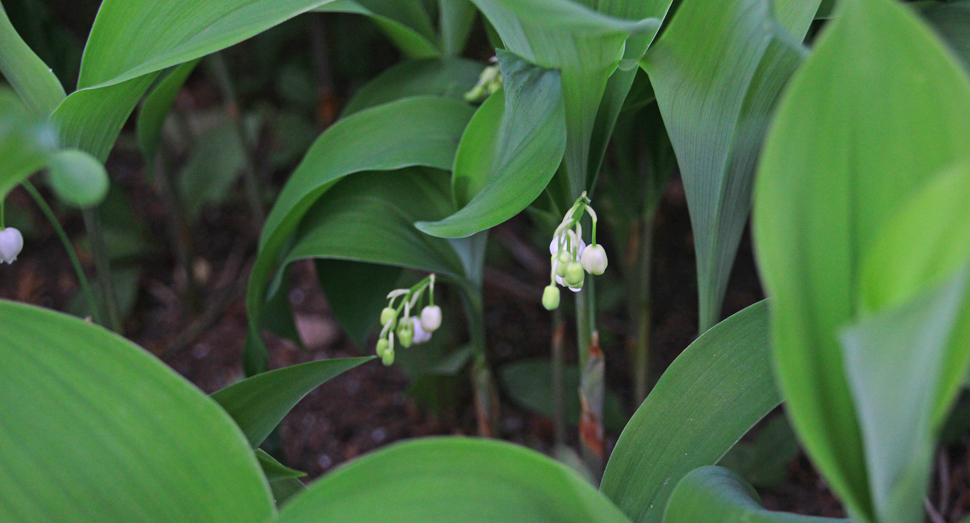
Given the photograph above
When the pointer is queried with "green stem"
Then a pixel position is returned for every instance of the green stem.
(483, 382)
(642, 309)
(251, 183)
(558, 371)
(92, 222)
(69, 247)
(3, 224)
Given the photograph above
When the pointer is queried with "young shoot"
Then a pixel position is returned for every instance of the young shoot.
(571, 257)
(409, 329)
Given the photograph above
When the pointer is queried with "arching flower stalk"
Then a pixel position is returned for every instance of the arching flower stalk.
(408, 329)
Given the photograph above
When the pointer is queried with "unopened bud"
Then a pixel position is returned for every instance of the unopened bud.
(388, 358)
(574, 275)
(382, 346)
(431, 318)
(550, 297)
(405, 334)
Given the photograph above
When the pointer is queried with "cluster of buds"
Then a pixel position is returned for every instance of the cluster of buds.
(488, 82)
(408, 329)
(11, 241)
(571, 257)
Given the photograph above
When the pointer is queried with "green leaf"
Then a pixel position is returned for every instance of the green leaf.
(405, 22)
(455, 19)
(283, 480)
(447, 77)
(93, 428)
(585, 46)
(905, 359)
(452, 479)
(26, 141)
(529, 383)
(156, 107)
(33, 80)
(356, 293)
(412, 131)
(712, 394)
(717, 71)
(370, 217)
(718, 495)
(259, 403)
(796, 16)
(213, 167)
(840, 160)
(509, 167)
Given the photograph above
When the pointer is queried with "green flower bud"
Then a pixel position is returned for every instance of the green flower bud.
(574, 274)
(594, 260)
(388, 314)
(388, 358)
(382, 346)
(564, 259)
(550, 298)
(405, 334)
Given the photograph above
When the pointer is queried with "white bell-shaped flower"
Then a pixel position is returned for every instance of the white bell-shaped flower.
(11, 243)
(420, 335)
(431, 318)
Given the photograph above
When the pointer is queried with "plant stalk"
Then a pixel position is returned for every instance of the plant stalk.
(483, 382)
(558, 370)
(69, 247)
(592, 382)
(92, 222)
(640, 308)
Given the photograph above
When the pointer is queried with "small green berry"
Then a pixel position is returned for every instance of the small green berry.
(550, 297)
(405, 334)
(388, 358)
(382, 346)
(388, 315)
(564, 260)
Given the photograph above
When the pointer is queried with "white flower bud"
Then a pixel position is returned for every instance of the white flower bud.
(594, 260)
(11, 243)
(431, 318)
(420, 335)
(554, 245)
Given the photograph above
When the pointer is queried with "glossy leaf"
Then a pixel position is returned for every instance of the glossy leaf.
(447, 77)
(718, 495)
(33, 80)
(833, 135)
(370, 218)
(93, 428)
(452, 479)
(509, 166)
(412, 131)
(585, 46)
(259, 403)
(25, 142)
(717, 72)
(156, 107)
(712, 394)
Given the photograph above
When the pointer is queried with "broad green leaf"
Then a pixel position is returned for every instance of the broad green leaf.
(172, 33)
(455, 19)
(213, 167)
(525, 151)
(906, 359)
(405, 22)
(718, 495)
(585, 46)
(155, 109)
(356, 293)
(412, 131)
(33, 80)
(93, 428)
(712, 394)
(370, 217)
(259, 403)
(717, 71)
(529, 383)
(796, 16)
(283, 481)
(447, 77)
(26, 141)
(452, 479)
(840, 160)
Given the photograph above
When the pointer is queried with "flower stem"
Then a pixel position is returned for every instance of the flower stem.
(69, 247)
(92, 222)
